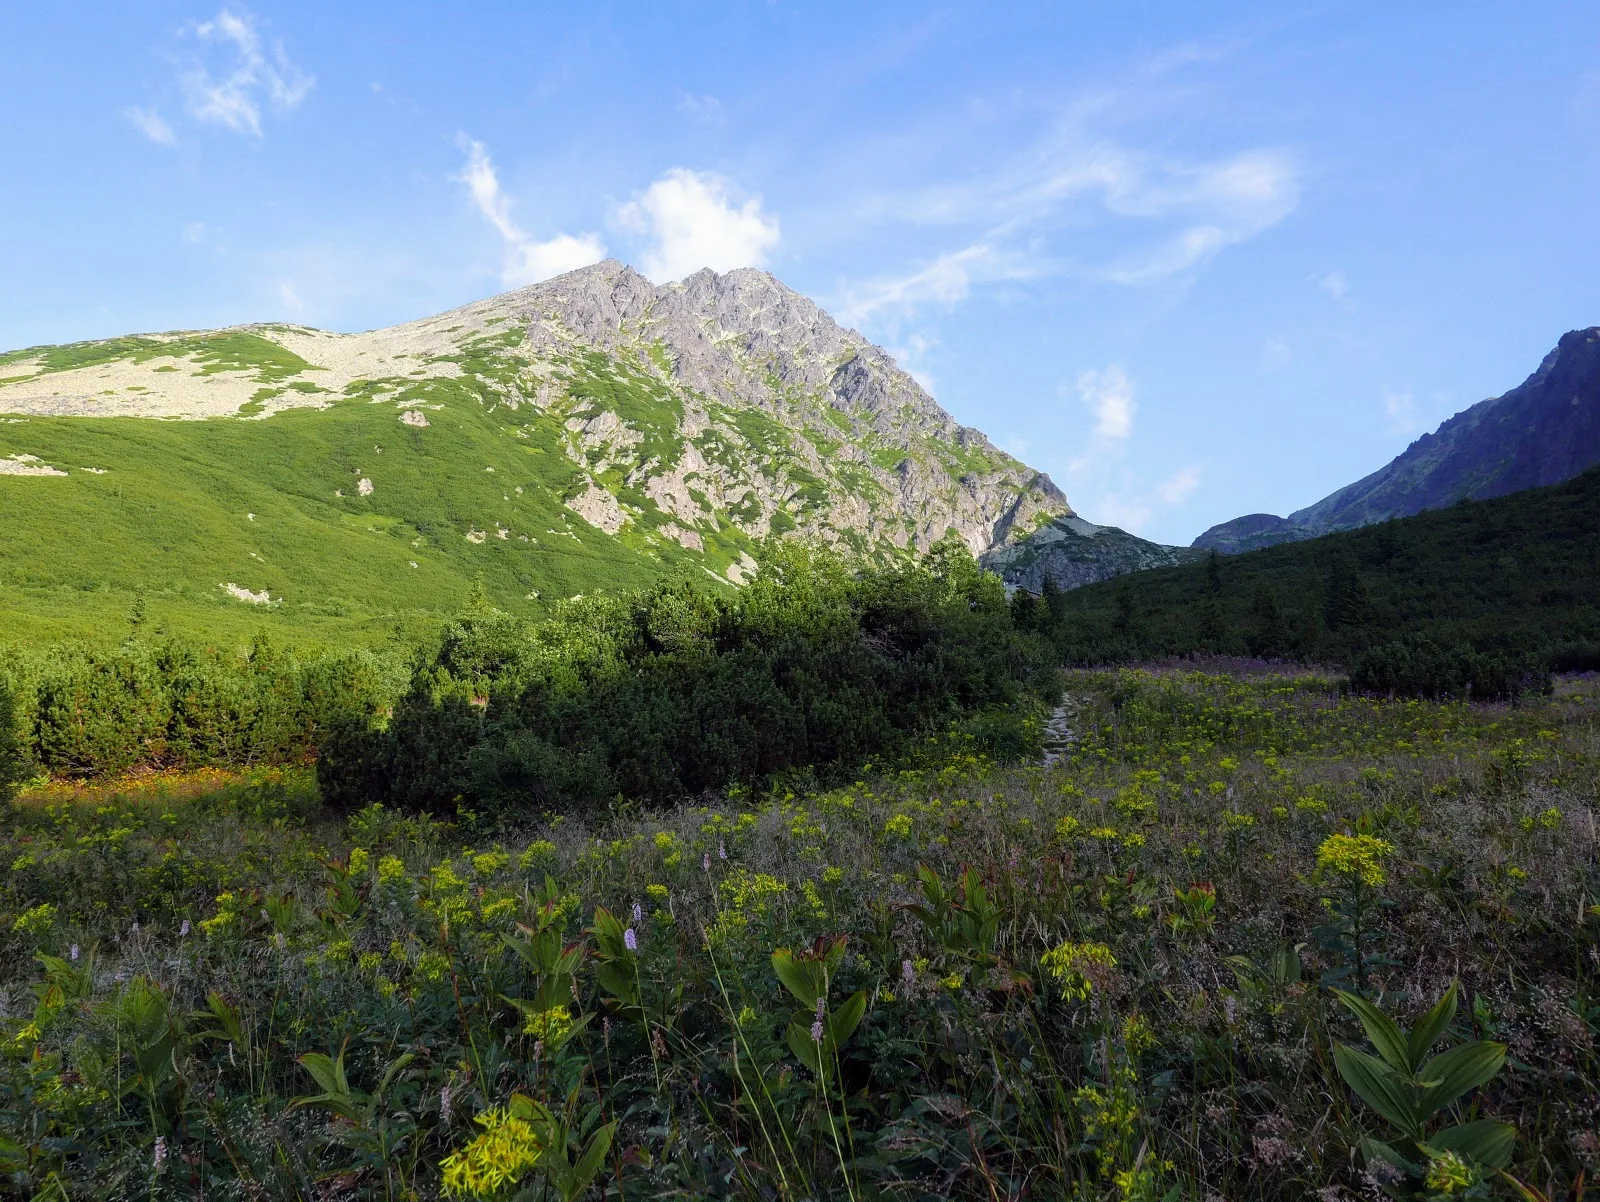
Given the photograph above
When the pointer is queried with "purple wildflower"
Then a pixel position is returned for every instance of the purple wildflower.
(638, 912)
(816, 1031)
(183, 931)
(160, 1153)
(705, 862)
(444, 1104)
(73, 955)
(630, 940)
(722, 850)
(908, 973)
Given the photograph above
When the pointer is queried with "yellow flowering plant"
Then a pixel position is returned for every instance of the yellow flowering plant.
(1078, 967)
(1354, 866)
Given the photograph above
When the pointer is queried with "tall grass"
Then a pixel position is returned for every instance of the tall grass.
(949, 977)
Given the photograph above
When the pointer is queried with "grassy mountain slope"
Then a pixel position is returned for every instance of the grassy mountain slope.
(583, 434)
(1515, 575)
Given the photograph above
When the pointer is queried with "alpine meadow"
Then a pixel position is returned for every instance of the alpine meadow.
(621, 738)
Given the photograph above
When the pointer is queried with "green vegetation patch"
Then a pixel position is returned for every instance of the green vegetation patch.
(233, 350)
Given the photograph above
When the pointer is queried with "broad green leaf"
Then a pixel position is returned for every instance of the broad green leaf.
(1450, 1074)
(1379, 1086)
(1386, 1036)
(1376, 1149)
(389, 1074)
(842, 1023)
(609, 935)
(1244, 969)
(1486, 1141)
(806, 1050)
(800, 977)
(1286, 964)
(326, 1072)
(617, 979)
(594, 1155)
(1432, 1025)
(13, 1156)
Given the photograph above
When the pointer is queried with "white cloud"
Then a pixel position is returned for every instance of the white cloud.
(1084, 201)
(1218, 204)
(946, 280)
(691, 222)
(235, 99)
(149, 123)
(1333, 283)
(1400, 408)
(1179, 487)
(194, 233)
(528, 260)
(1109, 395)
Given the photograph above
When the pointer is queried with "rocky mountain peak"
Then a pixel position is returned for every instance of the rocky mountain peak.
(695, 417)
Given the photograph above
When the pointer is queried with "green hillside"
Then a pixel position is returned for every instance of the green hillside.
(171, 517)
(1514, 577)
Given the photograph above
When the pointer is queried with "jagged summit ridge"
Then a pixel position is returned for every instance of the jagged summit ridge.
(698, 417)
(741, 337)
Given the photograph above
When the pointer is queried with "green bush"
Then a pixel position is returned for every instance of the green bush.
(89, 710)
(12, 767)
(676, 691)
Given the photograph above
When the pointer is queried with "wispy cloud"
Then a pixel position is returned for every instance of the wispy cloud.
(528, 260)
(1108, 393)
(689, 220)
(1333, 283)
(1085, 200)
(1132, 506)
(234, 98)
(907, 354)
(1400, 409)
(949, 278)
(150, 124)
(1177, 488)
(704, 108)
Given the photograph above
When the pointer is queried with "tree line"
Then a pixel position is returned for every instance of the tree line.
(1482, 599)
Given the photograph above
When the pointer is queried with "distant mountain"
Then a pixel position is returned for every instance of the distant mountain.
(1543, 432)
(1073, 552)
(582, 433)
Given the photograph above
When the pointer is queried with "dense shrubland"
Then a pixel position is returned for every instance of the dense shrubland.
(948, 977)
(815, 666)
(90, 709)
(654, 695)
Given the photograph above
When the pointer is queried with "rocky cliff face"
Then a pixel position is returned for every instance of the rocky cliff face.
(705, 414)
(1545, 431)
(1073, 552)
(785, 418)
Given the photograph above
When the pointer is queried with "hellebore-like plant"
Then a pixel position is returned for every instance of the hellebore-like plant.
(1411, 1089)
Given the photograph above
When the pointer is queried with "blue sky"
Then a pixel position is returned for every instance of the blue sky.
(1192, 260)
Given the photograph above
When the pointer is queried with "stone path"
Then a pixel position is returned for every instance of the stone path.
(1059, 738)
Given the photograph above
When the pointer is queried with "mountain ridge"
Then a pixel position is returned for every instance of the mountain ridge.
(594, 421)
(1544, 431)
